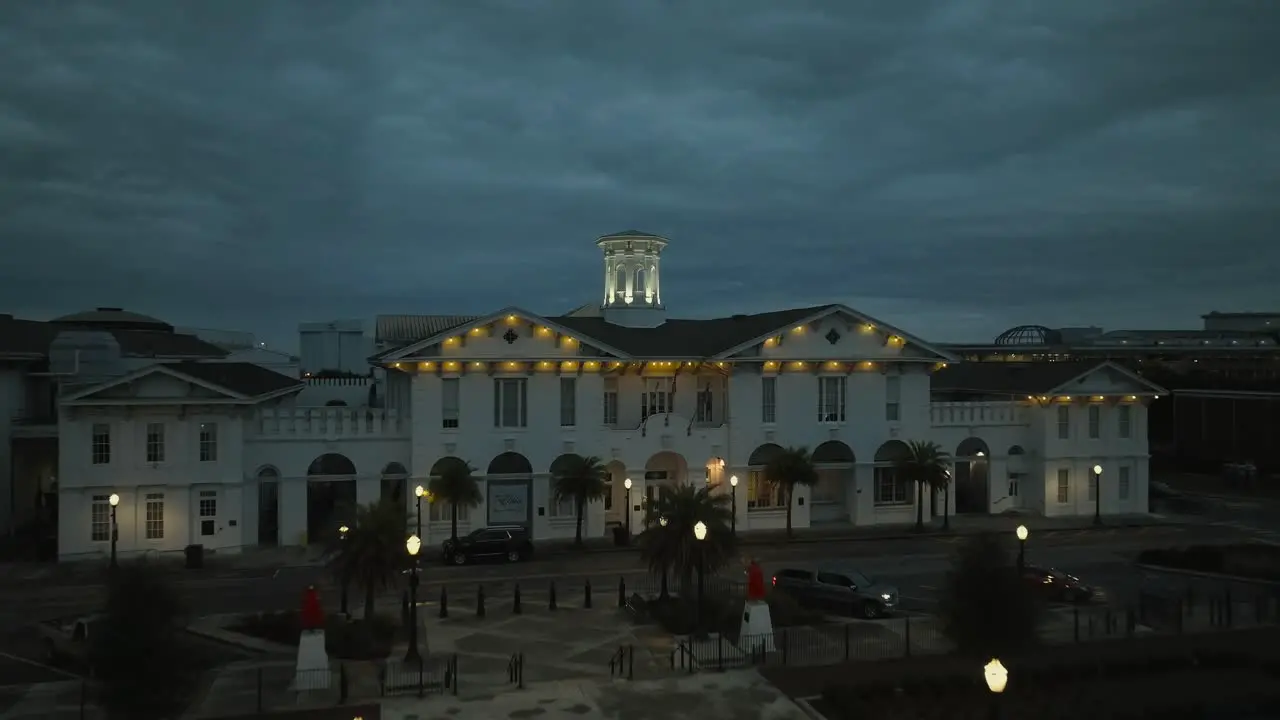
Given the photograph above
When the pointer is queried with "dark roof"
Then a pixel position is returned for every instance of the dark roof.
(114, 317)
(30, 337)
(685, 338)
(631, 233)
(1009, 378)
(243, 378)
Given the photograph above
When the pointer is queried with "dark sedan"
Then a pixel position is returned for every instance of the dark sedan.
(1057, 586)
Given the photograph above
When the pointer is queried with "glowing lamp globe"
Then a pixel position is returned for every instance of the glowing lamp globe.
(413, 545)
(700, 530)
(420, 491)
(1097, 469)
(627, 483)
(996, 675)
(733, 481)
(114, 499)
(1023, 532)
(662, 521)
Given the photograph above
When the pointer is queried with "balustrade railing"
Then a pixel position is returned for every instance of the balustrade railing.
(330, 422)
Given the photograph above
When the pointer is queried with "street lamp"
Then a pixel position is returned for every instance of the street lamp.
(997, 678)
(700, 534)
(346, 572)
(1097, 494)
(413, 545)
(418, 493)
(662, 521)
(980, 454)
(1022, 533)
(733, 493)
(627, 484)
(114, 501)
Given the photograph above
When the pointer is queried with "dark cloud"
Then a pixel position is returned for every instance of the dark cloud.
(955, 166)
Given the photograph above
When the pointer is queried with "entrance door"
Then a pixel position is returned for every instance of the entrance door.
(268, 513)
(971, 487)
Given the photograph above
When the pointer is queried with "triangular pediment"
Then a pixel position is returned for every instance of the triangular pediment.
(1108, 379)
(508, 333)
(155, 383)
(837, 332)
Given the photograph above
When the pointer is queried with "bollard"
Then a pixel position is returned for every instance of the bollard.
(515, 602)
(479, 601)
(551, 605)
(444, 603)
(343, 689)
(622, 593)
(906, 635)
(586, 595)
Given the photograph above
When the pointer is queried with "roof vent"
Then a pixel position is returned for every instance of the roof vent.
(110, 309)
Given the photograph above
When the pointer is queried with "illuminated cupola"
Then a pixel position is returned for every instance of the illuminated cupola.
(632, 285)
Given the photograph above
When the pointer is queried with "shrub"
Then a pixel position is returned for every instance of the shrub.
(278, 627)
(987, 608)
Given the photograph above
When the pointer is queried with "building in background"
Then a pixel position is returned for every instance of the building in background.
(334, 348)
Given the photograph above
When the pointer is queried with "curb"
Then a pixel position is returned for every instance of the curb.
(1206, 575)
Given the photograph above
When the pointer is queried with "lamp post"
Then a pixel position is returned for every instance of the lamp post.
(733, 493)
(346, 572)
(627, 484)
(1097, 494)
(700, 534)
(413, 545)
(1022, 533)
(418, 493)
(997, 677)
(114, 501)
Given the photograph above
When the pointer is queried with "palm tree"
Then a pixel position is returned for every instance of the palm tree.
(668, 540)
(373, 553)
(457, 486)
(788, 469)
(581, 480)
(923, 463)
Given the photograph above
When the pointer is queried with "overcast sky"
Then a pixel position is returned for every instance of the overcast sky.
(954, 167)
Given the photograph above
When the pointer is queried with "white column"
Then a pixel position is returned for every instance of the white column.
(293, 511)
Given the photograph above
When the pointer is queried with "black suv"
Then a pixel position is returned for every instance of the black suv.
(510, 542)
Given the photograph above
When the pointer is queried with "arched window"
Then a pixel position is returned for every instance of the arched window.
(641, 276)
(620, 284)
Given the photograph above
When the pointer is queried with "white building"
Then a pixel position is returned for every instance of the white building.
(226, 456)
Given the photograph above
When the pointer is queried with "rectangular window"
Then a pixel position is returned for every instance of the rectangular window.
(450, 407)
(155, 442)
(561, 508)
(608, 495)
(830, 486)
(653, 402)
(890, 489)
(101, 443)
(510, 402)
(1125, 421)
(155, 516)
(439, 512)
(768, 400)
(208, 512)
(1064, 422)
(611, 405)
(208, 442)
(1064, 485)
(568, 402)
(762, 494)
(100, 519)
(1015, 480)
(1095, 422)
(892, 393)
(831, 399)
(1122, 483)
(706, 405)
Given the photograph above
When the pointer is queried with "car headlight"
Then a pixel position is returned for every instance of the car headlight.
(886, 596)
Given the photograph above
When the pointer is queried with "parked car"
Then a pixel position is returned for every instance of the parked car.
(1057, 586)
(67, 639)
(842, 591)
(511, 542)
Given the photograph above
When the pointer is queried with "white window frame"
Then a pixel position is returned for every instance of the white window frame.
(889, 490)
(1064, 486)
(610, 409)
(832, 393)
(1124, 421)
(208, 442)
(155, 442)
(568, 402)
(1015, 483)
(100, 519)
(654, 402)
(893, 398)
(705, 400)
(831, 486)
(504, 416)
(1064, 422)
(207, 510)
(1095, 422)
(768, 400)
(1124, 481)
(154, 516)
(562, 508)
(438, 511)
(100, 444)
(762, 494)
(450, 403)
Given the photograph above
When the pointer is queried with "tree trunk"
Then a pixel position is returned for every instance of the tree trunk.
(577, 535)
(789, 495)
(919, 507)
(369, 597)
(946, 507)
(453, 519)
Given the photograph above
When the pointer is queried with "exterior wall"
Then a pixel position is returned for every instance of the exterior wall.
(12, 407)
(338, 345)
(353, 391)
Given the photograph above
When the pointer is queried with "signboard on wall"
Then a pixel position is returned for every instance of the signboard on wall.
(509, 502)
